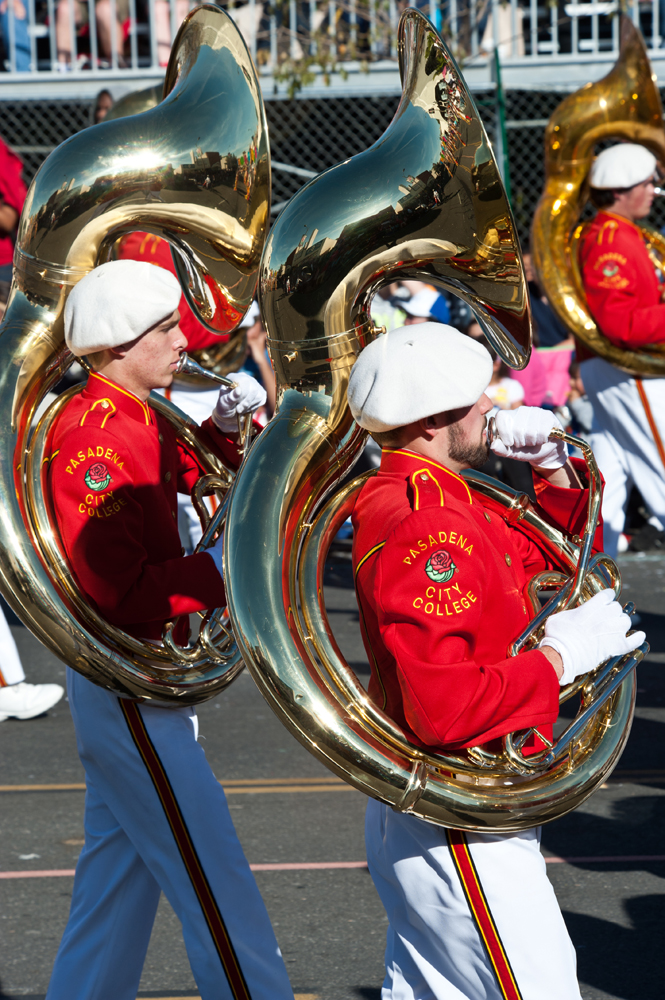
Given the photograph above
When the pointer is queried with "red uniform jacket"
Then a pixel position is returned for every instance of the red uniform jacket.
(12, 191)
(145, 246)
(620, 282)
(440, 581)
(114, 471)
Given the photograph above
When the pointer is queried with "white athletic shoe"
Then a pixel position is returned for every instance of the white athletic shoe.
(25, 701)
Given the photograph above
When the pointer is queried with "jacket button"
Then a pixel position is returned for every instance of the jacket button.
(105, 404)
(173, 514)
(167, 477)
(160, 438)
(424, 478)
(487, 517)
(508, 559)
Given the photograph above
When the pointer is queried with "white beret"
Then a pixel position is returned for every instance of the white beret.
(622, 166)
(415, 372)
(116, 302)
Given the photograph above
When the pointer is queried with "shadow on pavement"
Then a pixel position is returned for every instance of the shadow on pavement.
(338, 574)
(618, 960)
(634, 828)
(654, 626)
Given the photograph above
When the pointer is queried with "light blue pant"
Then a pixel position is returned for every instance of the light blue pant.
(132, 852)
(21, 39)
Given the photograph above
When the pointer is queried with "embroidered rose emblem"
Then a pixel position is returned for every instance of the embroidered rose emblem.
(440, 566)
(98, 477)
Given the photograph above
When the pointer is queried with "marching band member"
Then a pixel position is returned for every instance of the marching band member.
(440, 582)
(155, 816)
(625, 299)
(195, 400)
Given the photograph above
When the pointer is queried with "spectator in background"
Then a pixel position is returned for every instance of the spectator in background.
(12, 197)
(505, 392)
(579, 404)
(551, 330)
(21, 38)
(163, 26)
(386, 310)
(108, 34)
(506, 470)
(533, 378)
(257, 362)
(427, 304)
(555, 344)
(103, 104)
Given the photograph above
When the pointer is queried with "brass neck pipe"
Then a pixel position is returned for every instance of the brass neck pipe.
(188, 366)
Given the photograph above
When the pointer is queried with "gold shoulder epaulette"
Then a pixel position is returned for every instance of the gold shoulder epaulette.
(98, 413)
(611, 227)
(427, 490)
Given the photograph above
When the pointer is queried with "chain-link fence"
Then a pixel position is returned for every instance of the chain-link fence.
(307, 136)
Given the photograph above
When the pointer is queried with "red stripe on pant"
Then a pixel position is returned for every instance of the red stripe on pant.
(482, 914)
(187, 850)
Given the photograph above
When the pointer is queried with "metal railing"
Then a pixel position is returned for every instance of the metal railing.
(295, 38)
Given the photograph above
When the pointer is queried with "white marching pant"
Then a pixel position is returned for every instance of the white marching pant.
(515, 947)
(197, 404)
(157, 819)
(11, 669)
(623, 443)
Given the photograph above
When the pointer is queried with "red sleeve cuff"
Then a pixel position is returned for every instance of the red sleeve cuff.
(566, 508)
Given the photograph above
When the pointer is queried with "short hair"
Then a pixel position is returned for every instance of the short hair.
(604, 197)
(96, 359)
(393, 438)
(388, 439)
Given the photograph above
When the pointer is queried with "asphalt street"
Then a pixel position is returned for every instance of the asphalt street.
(289, 810)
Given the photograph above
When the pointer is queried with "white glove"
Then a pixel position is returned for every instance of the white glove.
(246, 397)
(216, 550)
(523, 434)
(587, 636)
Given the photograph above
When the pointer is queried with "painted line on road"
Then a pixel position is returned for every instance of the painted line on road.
(276, 866)
(297, 996)
(266, 786)
(554, 860)
(298, 866)
(249, 786)
(55, 873)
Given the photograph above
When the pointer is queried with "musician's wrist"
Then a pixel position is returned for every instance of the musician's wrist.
(565, 476)
(555, 659)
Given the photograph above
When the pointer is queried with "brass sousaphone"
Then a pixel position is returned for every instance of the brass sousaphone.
(195, 171)
(229, 354)
(426, 202)
(623, 105)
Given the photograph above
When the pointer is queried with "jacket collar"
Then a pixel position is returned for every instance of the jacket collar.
(605, 214)
(402, 462)
(101, 387)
